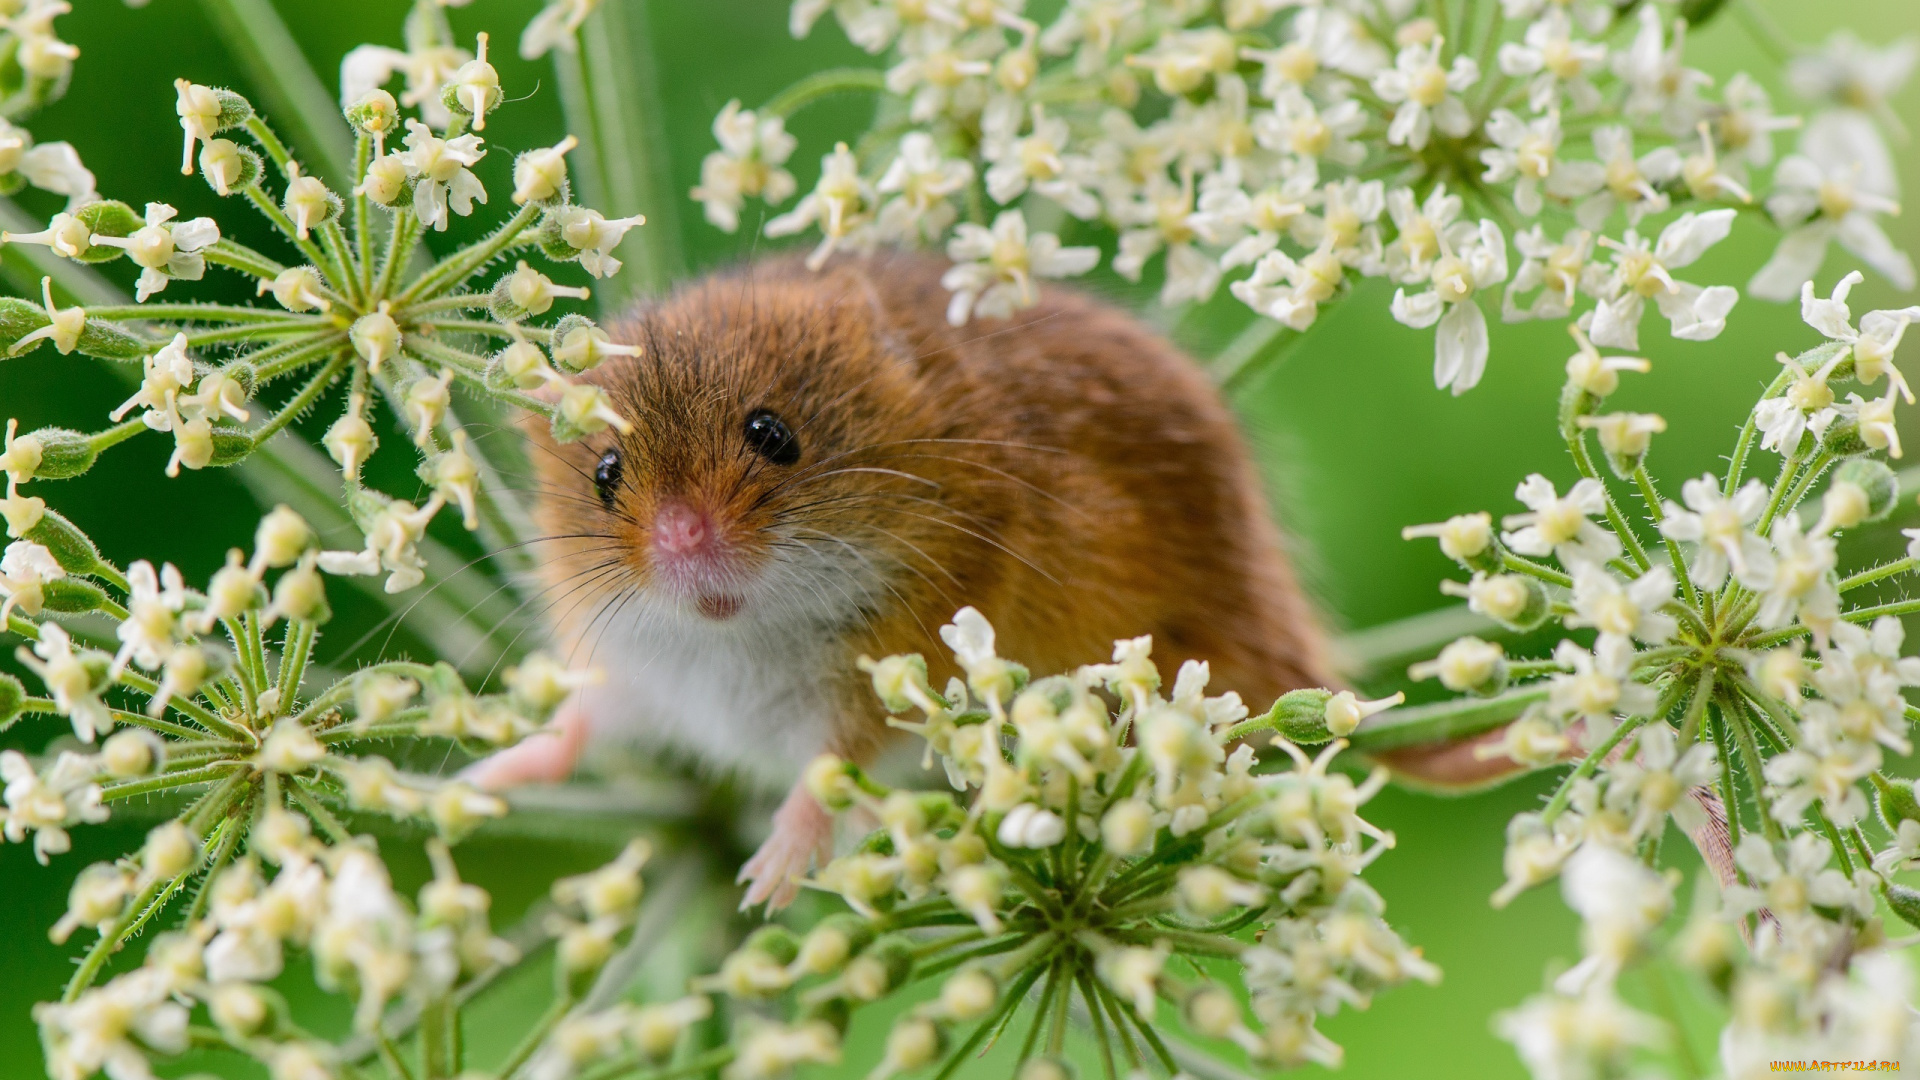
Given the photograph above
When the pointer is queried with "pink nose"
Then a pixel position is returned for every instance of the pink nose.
(681, 530)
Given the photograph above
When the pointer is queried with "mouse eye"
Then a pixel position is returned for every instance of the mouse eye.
(606, 476)
(771, 438)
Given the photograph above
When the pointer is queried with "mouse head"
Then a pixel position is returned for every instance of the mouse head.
(762, 478)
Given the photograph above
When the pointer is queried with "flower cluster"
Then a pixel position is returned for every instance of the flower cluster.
(352, 321)
(1089, 847)
(1296, 147)
(1731, 684)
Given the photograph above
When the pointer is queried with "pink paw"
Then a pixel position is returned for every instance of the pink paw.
(802, 835)
(545, 758)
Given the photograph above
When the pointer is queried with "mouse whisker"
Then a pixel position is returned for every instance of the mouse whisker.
(1005, 475)
(857, 549)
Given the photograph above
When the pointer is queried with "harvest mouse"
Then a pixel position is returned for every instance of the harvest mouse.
(822, 468)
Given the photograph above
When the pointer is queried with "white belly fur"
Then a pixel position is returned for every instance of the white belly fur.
(742, 695)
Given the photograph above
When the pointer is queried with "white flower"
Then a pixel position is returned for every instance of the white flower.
(1467, 665)
(1622, 901)
(1427, 94)
(1559, 271)
(48, 804)
(75, 680)
(995, 269)
(1833, 189)
(1160, 218)
(111, 1028)
(1851, 74)
(1039, 160)
(1527, 152)
(1630, 609)
(1290, 291)
(1873, 344)
(921, 183)
(1421, 229)
(1599, 688)
(1802, 582)
(1806, 406)
(1657, 781)
(1556, 62)
(1030, 826)
(1559, 526)
(594, 236)
(24, 570)
(841, 204)
(1718, 524)
(51, 166)
(151, 627)
(1250, 226)
(1789, 879)
(390, 545)
(1642, 270)
(1746, 121)
(442, 174)
(1631, 182)
(165, 252)
(1471, 260)
(1591, 1034)
(1658, 83)
(1297, 126)
(556, 27)
(752, 150)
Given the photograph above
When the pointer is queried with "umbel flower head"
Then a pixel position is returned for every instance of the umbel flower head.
(1290, 149)
(1083, 852)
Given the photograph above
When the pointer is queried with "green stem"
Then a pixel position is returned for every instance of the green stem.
(207, 313)
(1558, 804)
(303, 400)
(1812, 472)
(630, 132)
(298, 358)
(1577, 446)
(321, 816)
(1537, 570)
(242, 258)
(362, 212)
(822, 84)
(1744, 445)
(1756, 777)
(1014, 996)
(293, 660)
(1697, 707)
(401, 238)
(168, 781)
(1729, 795)
(462, 264)
(1879, 573)
(264, 203)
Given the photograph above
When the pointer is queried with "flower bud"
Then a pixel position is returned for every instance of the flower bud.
(1904, 901)
(385, 181)
(968, 995)
(1046, 1069)
(585, 409)
(1512, 600)
(301, 593)
(526, 291)
(68, 545)
(541, 175)
(828, 946)
(1863, 490)
(130, 752)
(170, 851)
(656, 1029)
(830, 779)
(583, 949)
(96, 899)
(69, 596)
(376, 337)
(457, 809)
(1467, 666)
(281, 835)
(583, 346)
(375, 114)
(1707, 945)
(1896, 800)
(205, 111)
(880, 970)
(229, 167)
(474, 89)
(519, 366)
(1213, 1012)
(309, 204)
(915, 1042)
(1030, 826)
(350, 441)
(289, 748)
(1624, 438)
(238, 1009)
(1128, 829)
(1210, 892)
(282, 537)
(1465, 538)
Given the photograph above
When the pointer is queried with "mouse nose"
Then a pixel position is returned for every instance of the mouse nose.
(681, 530)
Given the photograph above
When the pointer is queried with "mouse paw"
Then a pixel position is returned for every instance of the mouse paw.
(802, 835)
(544, 758)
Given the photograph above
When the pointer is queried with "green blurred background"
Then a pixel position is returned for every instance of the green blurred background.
(1355, 440)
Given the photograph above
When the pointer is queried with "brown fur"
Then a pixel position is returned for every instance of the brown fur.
(1066, 471)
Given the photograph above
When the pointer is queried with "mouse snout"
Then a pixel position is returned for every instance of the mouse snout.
(681, 531)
